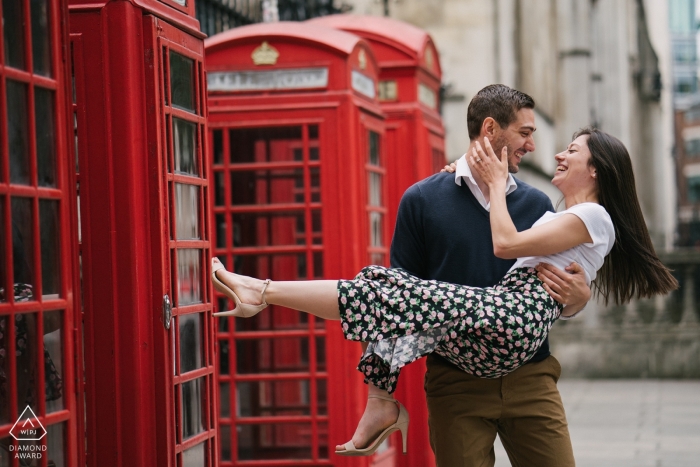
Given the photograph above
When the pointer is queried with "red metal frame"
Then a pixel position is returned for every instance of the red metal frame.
(344, 117)
(66, 301)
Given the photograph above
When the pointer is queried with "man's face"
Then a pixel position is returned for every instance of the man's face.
(517, 137)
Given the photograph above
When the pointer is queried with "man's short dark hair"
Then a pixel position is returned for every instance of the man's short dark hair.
(498, 102)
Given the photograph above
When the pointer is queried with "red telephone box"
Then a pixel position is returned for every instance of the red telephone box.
(409, 88)
(139, 113)
(38, 296)
(299, 173)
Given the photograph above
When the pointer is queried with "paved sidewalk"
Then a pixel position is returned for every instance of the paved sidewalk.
(625, 423)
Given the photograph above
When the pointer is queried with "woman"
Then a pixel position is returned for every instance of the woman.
(486, 332)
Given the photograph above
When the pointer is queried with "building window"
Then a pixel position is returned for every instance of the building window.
(692, 115)
(686, 85)
(692, 147)
(693, 189)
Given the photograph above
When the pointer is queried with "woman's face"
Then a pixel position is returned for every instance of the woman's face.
(573, 171)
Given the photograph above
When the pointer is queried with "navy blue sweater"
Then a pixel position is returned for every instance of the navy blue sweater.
(443, 233)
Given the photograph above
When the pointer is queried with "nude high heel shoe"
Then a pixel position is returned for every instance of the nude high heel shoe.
(401, 424)
(241, 310)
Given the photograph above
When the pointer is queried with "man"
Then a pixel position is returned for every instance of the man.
(443, 232)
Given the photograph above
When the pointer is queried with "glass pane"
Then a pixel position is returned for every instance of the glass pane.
(225, 400)
(53, 361)
(283, 354)
(373, 148)
(4, 370)
(194, 457)
(219, 189)
(27, 358)
(55, 440)
(318, 264)
(223, 357)
(182, 81)
(274, 441)
(323, 440)
(377, 258)
(273, 398)
(3, 257)
(4, 447)
(18, 130)
(45, 136)
(376, 234)
(13, 26)
(185, 146)
(321, 389)
(314, 154)
(23, 248)
(267, 229)
(313, 132)
(320, 354)
(50, 258)
(218, 136)
(225, 442)
(188, 277)
(186, 211)
(166, 93)
(41, 50)
(220, 220)
(264, 144)
(375, 189)
(267, 186)
(191, 396)
(315, 177)
(190, 342)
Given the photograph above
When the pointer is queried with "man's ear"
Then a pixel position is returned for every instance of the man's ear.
(489, 127)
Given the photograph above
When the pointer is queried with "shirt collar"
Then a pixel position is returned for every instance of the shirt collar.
(463, 172)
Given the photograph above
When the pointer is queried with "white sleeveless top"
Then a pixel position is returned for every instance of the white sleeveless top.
(589, 255)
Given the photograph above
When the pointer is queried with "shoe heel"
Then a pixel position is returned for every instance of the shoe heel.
(404, 436)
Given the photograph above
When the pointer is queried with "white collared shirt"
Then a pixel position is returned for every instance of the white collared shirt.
(463, 172)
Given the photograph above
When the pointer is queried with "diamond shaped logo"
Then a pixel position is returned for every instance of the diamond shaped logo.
(28, 427)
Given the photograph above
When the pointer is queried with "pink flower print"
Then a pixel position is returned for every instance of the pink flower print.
(519, 320)
(402, 325)
(424, 307)
(469, 321)
(441, 316)
(517, 343)
(426, 326)
(343, 300)
(393, 325)
(358, 316)
(345, 327)
(406, 293)
(363, 307)
(352, 292)
(413, 301)
(501, 340)
(453, 335)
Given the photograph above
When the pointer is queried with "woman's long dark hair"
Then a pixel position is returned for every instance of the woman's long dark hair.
(632, 269)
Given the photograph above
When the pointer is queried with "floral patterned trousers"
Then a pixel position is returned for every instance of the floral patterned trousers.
(486, 332)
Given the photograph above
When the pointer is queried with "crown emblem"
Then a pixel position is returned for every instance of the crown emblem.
(265, 54)
(362, 59)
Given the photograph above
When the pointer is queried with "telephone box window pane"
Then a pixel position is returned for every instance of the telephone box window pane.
(189, 275)
(322, 394)
(50, 259)
(45, 136)
(185, 146)
(190, 342)
(276, 319)
(219, 189)
(318, 264)
(23, 249)
(193, 457)
(186, 211)
(223, 357)
(377, 258)
(220, 230)
(41, 50)
(26, 352)
(182, 81)
(218, 137)
(268, 229)
(375, 189)
(18, 130)
(225, 400)
(225, 441)
(315, 176)
(313, 132)
(53, 361)
(4, 369)
(373, 148)
(323, 440)
(191, 397)
(283, 354)
(3, 262)
(273, 398)
(56, 443)
(267, 187)
(375, 229)
(320, 353)
(274, 441)
(264, 144)
(13, 26)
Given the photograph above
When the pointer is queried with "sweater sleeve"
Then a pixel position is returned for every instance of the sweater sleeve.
(408, 244)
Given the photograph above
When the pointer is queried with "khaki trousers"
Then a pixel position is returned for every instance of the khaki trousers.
(524, 408)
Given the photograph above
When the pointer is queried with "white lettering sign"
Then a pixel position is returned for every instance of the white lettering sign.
(298, 78)
(363, 84)
(427, 96)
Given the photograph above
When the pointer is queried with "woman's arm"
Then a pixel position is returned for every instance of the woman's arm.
(558, 235)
